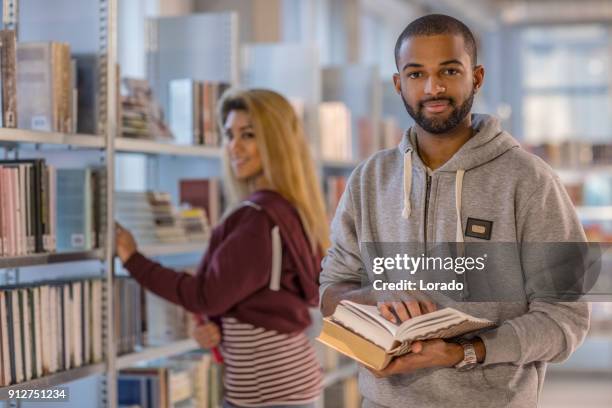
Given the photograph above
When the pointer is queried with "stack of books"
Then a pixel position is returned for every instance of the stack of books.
(141, 115)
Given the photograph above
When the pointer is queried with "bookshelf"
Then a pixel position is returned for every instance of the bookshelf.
(102, 14)
(213, 57)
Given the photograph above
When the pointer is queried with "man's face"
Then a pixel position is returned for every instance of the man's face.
(436, 81)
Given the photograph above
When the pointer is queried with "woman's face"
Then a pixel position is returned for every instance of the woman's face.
(241, 146)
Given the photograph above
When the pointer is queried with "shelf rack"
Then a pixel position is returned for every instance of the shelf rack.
(156, 352)
(18, 137)
(340, 164)
(125, 145)
(50, 258)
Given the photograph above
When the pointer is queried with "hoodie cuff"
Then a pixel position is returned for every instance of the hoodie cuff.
(502, 345)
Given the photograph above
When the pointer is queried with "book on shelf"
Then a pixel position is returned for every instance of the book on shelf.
(8, 72)
(366, 142)
(87, 85)
(335, 131)
(141, 115)
(49, 327)
(192, 111)
(189, 380)
(573, 153)
(334, 188)
(27, 207)
(81, 199)
(44, 86)
(362, 333)
(391, 133)
(204, 194)
(129, 314)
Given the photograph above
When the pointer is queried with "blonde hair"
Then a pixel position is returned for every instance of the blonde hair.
(286, 160)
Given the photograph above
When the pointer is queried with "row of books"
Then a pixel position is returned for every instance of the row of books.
(190, 380)
(49, 327)
(40, 87)
(27, 207)
(143, 319)
(574, 153)
(346, 138)
(193, 111)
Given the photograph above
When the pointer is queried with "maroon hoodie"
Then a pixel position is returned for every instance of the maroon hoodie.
(233, 277)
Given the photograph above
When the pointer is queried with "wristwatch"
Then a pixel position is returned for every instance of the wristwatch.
(469, 356)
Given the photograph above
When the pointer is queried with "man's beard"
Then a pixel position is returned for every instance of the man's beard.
(439, 126)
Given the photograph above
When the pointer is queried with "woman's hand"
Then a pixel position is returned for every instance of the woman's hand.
(125, 243)
(207, 335)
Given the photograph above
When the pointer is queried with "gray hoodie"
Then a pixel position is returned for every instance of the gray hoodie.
(490, 178)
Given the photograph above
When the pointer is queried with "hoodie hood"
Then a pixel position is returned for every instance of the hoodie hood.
(488, 142)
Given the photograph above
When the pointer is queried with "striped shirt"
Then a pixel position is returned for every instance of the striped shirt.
(263, 367)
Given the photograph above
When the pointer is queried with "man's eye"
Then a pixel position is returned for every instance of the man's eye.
(451, 71)
(414, 75)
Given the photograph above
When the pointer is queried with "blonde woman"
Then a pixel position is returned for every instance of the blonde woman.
(259, 275)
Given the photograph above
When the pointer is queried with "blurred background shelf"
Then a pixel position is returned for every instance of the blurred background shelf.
(156, 352)
(340, 164)
(55, 379)
(340, 374)
(152, 147)
(50, 258)
(15, 137)
(594, 213)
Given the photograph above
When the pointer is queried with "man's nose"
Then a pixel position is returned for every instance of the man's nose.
(434, 86)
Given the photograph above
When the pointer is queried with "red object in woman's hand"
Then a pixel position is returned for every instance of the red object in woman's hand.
(201, 319)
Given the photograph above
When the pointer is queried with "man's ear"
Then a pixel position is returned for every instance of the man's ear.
(397, 84)
(479, 74)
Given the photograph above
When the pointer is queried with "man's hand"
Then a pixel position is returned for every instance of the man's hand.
(125, 243)
(207, 335)
(405, 310)
(424, 354)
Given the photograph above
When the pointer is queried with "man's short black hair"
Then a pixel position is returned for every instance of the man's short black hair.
(436, 24)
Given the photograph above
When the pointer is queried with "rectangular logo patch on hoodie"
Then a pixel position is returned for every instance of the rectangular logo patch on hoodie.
(479, 228)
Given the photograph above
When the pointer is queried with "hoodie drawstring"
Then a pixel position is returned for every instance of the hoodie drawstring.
(407, 183)
(458, 188)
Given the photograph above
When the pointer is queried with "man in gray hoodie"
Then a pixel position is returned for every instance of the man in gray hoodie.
(456, 177)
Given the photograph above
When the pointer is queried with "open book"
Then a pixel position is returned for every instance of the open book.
(360, 332)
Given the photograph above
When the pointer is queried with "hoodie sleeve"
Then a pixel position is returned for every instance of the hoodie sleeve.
(343, 260)
(551, 329)
(237, 267)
